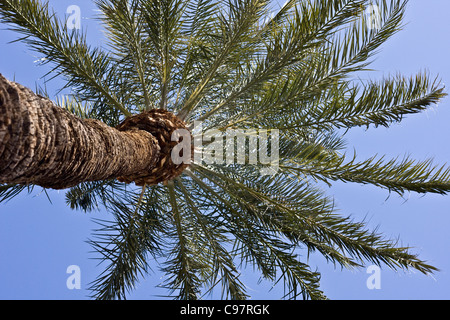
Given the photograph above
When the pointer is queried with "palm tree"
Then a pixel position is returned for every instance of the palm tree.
(233, 67)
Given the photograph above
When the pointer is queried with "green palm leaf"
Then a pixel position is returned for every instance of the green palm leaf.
(234, 65)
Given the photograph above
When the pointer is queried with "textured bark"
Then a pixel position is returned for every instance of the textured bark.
(45, 145)
(161, 124)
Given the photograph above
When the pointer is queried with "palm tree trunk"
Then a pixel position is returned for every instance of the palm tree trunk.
(45, 145)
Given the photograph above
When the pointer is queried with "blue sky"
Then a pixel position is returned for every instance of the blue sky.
(40, 240)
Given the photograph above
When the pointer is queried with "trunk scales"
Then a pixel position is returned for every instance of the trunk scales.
(45, 145)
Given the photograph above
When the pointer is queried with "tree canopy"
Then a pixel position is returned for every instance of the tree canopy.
(250, 65)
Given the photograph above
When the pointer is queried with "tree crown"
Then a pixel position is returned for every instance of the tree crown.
(249, 65)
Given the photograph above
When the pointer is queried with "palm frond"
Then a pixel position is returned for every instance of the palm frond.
(90, 72)
(377, 103)
(8, 191)
(126, 243)
(125, 33)
(236, 66)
